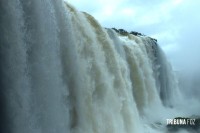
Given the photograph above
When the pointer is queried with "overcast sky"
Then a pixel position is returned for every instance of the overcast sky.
(174, 23)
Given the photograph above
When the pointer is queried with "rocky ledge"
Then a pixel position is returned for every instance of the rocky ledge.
(125, 33)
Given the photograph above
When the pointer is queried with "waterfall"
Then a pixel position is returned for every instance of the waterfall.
(62, 72)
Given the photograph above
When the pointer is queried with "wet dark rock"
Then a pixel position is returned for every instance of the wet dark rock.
(155, 40)
(136, 33)
(121, 31)
(116, 30)
(124, 32)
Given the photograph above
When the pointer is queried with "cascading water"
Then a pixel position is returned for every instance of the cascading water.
(62, 72)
